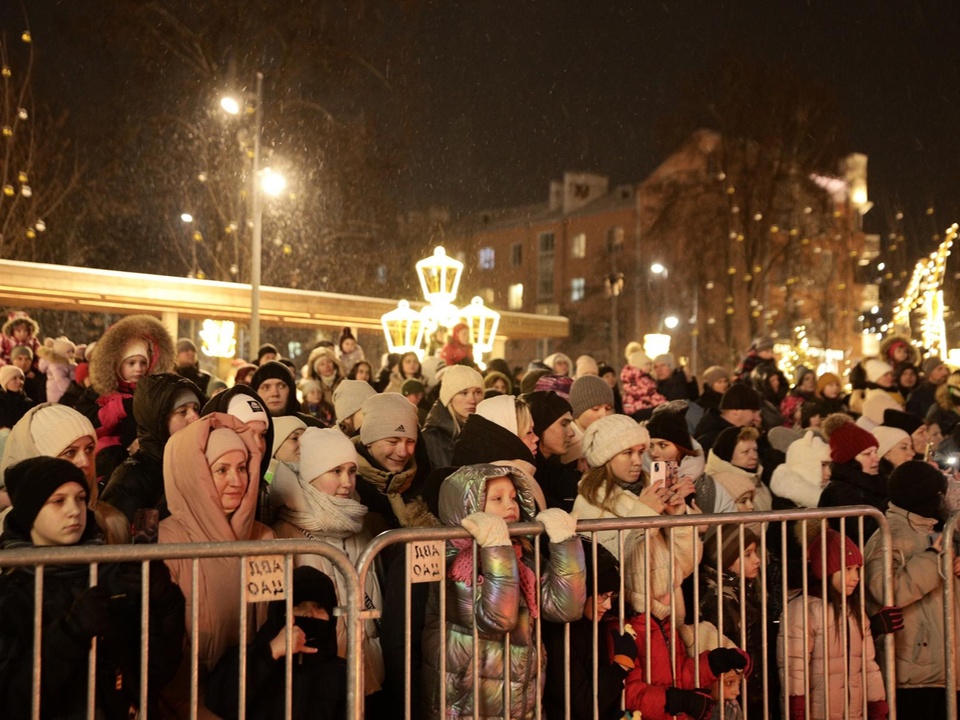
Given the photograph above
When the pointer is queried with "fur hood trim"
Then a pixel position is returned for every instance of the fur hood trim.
(104, 364)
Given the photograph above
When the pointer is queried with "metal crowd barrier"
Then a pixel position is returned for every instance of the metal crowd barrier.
(95, 555)
(731, 522)
(423, 564)
(949, 613)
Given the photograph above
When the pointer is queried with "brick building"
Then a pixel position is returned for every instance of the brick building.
(781, 252)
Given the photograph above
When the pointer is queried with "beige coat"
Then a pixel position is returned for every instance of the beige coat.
(824, 652)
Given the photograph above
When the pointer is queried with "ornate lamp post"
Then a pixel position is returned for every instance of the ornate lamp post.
(403, 329)
(483, 323)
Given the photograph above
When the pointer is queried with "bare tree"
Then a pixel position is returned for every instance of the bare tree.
(38, 166)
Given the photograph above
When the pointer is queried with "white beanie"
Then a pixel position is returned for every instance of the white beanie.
(322, 449)
(639, 359)
(283, 427)
(54, 427)
(887, 437)
(247, 409)
(63, 346)
(349, 397)
(457, 379)
(387, 415)
(135, 346)
(8, 373)
(500, 409)
(610, 436)
(876, 369)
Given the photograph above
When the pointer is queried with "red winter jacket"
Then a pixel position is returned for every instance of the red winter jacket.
(651, 699)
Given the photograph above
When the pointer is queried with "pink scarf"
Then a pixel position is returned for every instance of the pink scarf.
(461, 570)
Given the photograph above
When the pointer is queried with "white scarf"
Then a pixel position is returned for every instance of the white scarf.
(301, 504)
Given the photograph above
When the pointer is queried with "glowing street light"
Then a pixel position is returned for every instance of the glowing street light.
(230, 105)
(272, 183)
(658, 269)
(186, 217)
(671, 322)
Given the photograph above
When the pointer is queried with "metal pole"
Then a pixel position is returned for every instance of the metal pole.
(257, 241)
(694, 360)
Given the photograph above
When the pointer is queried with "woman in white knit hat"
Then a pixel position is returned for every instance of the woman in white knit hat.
(321, 503)
(461, 390)
(613, 486)
(60, 431)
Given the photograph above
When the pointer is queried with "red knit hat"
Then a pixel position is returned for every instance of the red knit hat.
(848, 441)
(839, 555)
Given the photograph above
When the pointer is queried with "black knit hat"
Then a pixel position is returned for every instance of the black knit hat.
(608, 569)
(671, 425)
(918, 487)
(266, 348)
(546, 407)
(740, 397)
(726, 443)
(311, 584)
(275, 370)
(31, 482)
(908, 422)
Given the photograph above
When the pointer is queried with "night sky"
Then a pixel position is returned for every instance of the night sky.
(510, 94)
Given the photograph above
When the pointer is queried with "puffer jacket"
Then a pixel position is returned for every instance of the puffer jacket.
(639, 390)
(621, 503)
(497, 607)
(918, 589)
(650, 698)
(828, 656)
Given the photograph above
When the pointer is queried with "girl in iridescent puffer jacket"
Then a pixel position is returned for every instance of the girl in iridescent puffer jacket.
(499, 596)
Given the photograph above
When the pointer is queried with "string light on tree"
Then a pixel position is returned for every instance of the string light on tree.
(924, 296)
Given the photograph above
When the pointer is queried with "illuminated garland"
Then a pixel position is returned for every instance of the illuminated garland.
(924, 295)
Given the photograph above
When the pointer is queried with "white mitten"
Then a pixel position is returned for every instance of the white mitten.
(488, 530)
(560, 525)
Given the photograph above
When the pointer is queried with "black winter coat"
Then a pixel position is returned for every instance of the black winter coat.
(138, 482)
(849, 485)
(64, 652)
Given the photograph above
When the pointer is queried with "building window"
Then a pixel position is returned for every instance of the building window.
(486, 258)
(614, 240)
(486, 294)
(577, 289)
(578, 248)
(461, 256)
(516, 254)
(515, 297)
(382, 274)
(545, 268)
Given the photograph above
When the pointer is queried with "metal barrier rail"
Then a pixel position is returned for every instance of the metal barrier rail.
(624, 526)
(355, 579)
(94, 555)
(949, 613)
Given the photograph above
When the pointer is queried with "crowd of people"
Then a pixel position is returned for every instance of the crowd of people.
(127, 440)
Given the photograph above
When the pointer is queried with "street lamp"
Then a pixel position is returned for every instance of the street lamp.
(671, 322)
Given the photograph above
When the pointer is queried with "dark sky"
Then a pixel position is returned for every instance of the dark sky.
(514, 93)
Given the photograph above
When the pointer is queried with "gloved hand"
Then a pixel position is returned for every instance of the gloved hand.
(877, 710)
(560, 525)
(488, 530)
(696, 703)
(725, 659)
(798, 707)
(624, 649)
(90, 613)
(127, 580)
(887, 620)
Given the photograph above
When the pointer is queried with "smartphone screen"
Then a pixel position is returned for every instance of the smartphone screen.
(672, 474)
